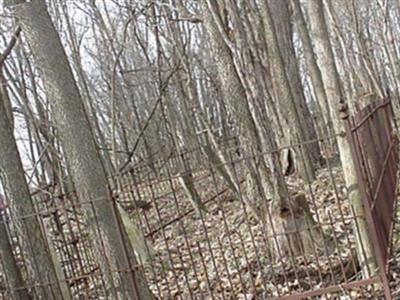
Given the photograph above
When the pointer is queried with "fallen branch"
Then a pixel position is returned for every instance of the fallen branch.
(188, 212)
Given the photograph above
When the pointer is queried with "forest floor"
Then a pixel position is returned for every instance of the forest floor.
(395, 257)
(224, 255)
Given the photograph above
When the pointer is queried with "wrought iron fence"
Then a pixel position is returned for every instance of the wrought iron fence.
(221, 250)
(375, 153)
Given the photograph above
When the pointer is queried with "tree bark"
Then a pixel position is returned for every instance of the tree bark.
(40, 267)
(315, 73)
(264, 177)
(237, 103)
(333, 92)
(115, 256)
(289, 106)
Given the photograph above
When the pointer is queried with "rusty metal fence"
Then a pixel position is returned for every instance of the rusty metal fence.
(376, 157)
(223, 251)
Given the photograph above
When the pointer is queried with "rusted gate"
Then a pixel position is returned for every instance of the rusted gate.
(374, 146)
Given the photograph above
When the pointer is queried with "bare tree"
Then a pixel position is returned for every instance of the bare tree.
(263, 180)
(11, 268)
(333, 92)
(40, 267)
(84, 161)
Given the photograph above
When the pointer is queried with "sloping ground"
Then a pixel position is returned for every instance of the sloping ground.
(224, 255)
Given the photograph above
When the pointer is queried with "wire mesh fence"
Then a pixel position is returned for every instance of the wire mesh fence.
(195, 235)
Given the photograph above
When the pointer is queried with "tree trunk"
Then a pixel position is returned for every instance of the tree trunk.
(12, 272)
(237, 103)
(333, 92)
(144, 252)
(262, 180)
(289, 106)
(314, 71)
(84, 161)
(283, 26)
(40, 267)
(187, 183)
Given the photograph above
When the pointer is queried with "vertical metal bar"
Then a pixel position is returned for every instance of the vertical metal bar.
(165, 240)
(113, 287)
(228, 231)
(358, 122)
(205, 271)
(319, 223)
(125, 183)
(370, 221)
(183, 229)
(249, 228)
(341, 209)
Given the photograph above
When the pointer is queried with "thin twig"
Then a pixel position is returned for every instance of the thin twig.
(162, 90)
(10, 46)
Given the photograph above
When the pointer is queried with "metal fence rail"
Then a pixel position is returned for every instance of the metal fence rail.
(376, 156)
(223, 251)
